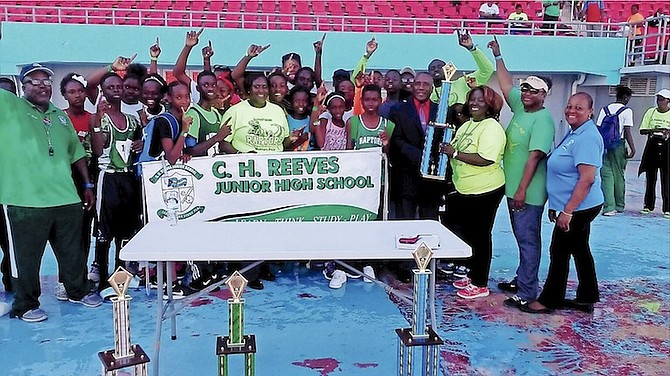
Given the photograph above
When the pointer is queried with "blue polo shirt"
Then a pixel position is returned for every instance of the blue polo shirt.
(581, 146)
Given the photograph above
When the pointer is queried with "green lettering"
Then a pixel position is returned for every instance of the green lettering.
(273, 167)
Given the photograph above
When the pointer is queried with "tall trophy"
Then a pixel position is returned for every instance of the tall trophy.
(420, 335)
(434, 163)
(236, 342)
(124, 354)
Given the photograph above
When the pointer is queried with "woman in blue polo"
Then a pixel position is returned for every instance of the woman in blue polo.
(575, 199)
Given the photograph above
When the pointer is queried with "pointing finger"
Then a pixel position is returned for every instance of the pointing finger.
(210, 44)
(323, 37)
(265, 48)
(200, 31)
(130, 60)
(157, 42)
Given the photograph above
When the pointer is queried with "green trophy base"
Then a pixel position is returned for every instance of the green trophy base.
(110, 363)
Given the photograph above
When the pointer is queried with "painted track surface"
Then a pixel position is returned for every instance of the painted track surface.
(305, 328)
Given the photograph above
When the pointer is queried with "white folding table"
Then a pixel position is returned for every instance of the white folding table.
(278, 241)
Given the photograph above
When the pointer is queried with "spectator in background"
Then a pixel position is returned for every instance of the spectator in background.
(279, 90)
(339, 76)
(519, 18)
(613, 172)
(407, 75)
(635, 24)
(593, 11)
(8, 84)
(154, 88)
(393, 85)
(551, 13)
(656, 156)
(489, 10)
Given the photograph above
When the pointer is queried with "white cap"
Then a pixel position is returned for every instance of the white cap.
(665, 93)
(536, 83)
(408, 70)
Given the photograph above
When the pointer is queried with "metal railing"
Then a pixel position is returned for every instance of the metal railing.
(651, 47)
(275, 21)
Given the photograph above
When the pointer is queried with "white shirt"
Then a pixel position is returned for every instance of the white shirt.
(492, 10)
(625, 118)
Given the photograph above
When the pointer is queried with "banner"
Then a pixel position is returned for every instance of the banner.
(290, 186)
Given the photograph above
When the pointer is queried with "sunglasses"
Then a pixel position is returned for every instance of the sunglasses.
(407, 80)
(37, 81)
(526, 89)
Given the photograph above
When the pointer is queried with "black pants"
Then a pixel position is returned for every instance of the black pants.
(4, 265)
(549, 26)
(656, 157)
(573, 243)
(471, 218)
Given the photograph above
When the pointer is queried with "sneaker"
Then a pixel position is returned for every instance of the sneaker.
(267, 275)
(610, 213)
(353, 275)
(94, 274)
(462, 283)
(472, 292)
(510, 286)
(339, 279)
(666, 215)
(369, 271)
(447, 269)
(61, 294)
(177, 292)
(256, 284)
(34, 315)
(514, 301)
(645, 211)
(328, 270)
(461, 271)
(91, 300)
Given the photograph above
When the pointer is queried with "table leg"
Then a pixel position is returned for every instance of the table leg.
(170, 302)
(159, 316)
(431, 294)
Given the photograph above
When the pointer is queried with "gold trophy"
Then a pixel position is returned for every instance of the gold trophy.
(124, 354)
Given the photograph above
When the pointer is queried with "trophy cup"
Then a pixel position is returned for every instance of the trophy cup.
(236, 342)
(434, 163)
(124, 354)
(420, 335)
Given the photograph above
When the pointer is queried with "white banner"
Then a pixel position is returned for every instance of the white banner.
(289, 186)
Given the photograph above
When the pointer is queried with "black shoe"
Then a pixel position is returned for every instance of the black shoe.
(514, 302)
(255, 284)
(510, 286)
(203, 282)
(404, 276)
(526, 308)
(266, 275)
(572, 304)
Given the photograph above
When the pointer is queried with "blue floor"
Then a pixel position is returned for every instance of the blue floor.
(304, 328)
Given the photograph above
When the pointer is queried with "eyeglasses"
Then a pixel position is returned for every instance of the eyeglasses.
(526, 89)
(407, 80)
(37, 81)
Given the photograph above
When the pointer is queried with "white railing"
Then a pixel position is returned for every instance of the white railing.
(651, 46)
(275, 21)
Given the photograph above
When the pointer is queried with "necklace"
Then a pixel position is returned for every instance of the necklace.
(466, 136)
(47, 129)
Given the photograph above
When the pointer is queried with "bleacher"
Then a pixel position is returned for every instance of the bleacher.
(404, 16)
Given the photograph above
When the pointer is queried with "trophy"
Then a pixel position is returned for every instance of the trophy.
(124, 354)
(236, 342)
(433, 162)
(420, 335)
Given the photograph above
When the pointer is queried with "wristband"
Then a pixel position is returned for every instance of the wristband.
(567, 214)
(315, 108)
(89, 186)
(184, 134)
(474, 47)
(499, 57)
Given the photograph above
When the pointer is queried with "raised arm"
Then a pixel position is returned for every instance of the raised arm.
(154, 53)
(207, 53)
(192, 39)
(484, 66)
(241, 67)
(370, 48)
(93, 80)
(318, 52)
(504, 78)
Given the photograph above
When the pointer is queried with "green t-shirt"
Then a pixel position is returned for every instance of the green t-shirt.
(365, 137)
(486, 138)
(459, 88)
(552, 10)
(257, 129)
(29, 176)
(205, 122)
(116, 157)
(527, 131)
(653, 119)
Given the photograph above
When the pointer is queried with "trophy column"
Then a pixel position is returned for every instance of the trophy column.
(236, 342)
(420, 335)
(124, 354)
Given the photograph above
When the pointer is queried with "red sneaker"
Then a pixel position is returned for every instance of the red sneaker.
(462, 283)
(472, 292)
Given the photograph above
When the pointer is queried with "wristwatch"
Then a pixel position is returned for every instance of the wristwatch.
(453, 156)
(89, 186)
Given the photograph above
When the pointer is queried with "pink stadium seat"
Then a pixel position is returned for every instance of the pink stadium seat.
(302, 7)
(233, 6)
(378, 25)
(319, 7)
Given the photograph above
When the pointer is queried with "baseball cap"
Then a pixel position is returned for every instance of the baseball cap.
(665, 93)
(408, 70)
(34, 67)
(536, 83)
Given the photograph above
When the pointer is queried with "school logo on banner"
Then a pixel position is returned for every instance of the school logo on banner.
(177, 182)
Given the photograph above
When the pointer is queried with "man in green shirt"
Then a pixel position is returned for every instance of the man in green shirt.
(530, 135)
(551, 13)
(459, 88)
(38, 196)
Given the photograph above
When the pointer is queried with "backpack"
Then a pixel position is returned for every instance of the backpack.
(610, 129)
(148, 136)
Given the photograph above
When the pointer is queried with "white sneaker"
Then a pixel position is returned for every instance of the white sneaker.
(610, 213)
(94, 274)
(61, 294)
(369, 271)
(339, 279)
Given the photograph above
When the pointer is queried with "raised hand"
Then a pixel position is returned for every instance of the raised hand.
(371, 46)
(103, 107)
(192, 37)
(318, 45)
(360, 79)
(121, 63)
(465, 39)
(224, 131)
(321, 93)
(208, 51)
(155, 50)
(384, 138)
(185, 121)
(494, 46)
(255, 50)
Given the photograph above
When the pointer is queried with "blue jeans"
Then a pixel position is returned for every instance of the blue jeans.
(526, 225)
